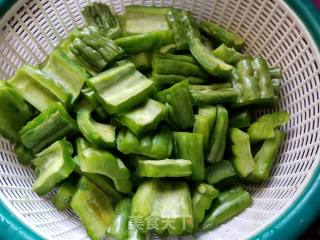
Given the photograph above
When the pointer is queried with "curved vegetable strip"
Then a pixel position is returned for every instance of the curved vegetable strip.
(218, 139)
(202, 198)
(32, 84)
(227, 205)
(102, 135)
(14, 112)
(263, 127)
(101, 181)
(52, 124)
(94, 209)
(121, 88)
(144, 118)
(118, 230)
(179, 102)
(158, 145)
(94, 160)
(52, 165)
(213, 65)
(152, 207)
(220, 35)
(265, 157)
(242, 160)
(189, 146)
(204, 123)
(164, 168)
(64, 196)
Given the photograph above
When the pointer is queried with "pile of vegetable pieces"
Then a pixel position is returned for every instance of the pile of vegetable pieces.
(132, 117)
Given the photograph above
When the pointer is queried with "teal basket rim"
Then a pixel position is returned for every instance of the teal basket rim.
(304, 210)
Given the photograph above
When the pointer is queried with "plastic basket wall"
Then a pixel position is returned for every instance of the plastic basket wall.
(33, 28)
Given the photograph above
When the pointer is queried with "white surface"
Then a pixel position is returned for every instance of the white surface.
(32, 28)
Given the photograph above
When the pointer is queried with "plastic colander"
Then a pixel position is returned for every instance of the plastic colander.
(283, 206)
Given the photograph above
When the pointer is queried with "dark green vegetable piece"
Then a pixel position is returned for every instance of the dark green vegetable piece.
(65, 72)
(227, 205)
(38, 89)
(94, 160)
(118, 230)
(264, 127)
(204, 123)
(202, 198)
(179, 102)
(170, 68)
(212, 97)
(146, 42)
(174, 17)
(229, 55)
(99, 15)
(52, 165)
(24, 155)
(221, 35)
(121, 88)
(152, 203)
(144, 118)
(52, 124)
(220, 171)
(101, 181)
(265, 158)
(102, 135)
(64, 196)
(94, 209)
(242, 159)
(93, 48)
(158, 145)
(218, 138)
(144, 19)
(164, 168)
(241, 119)
(189, 146)
(14, 112)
